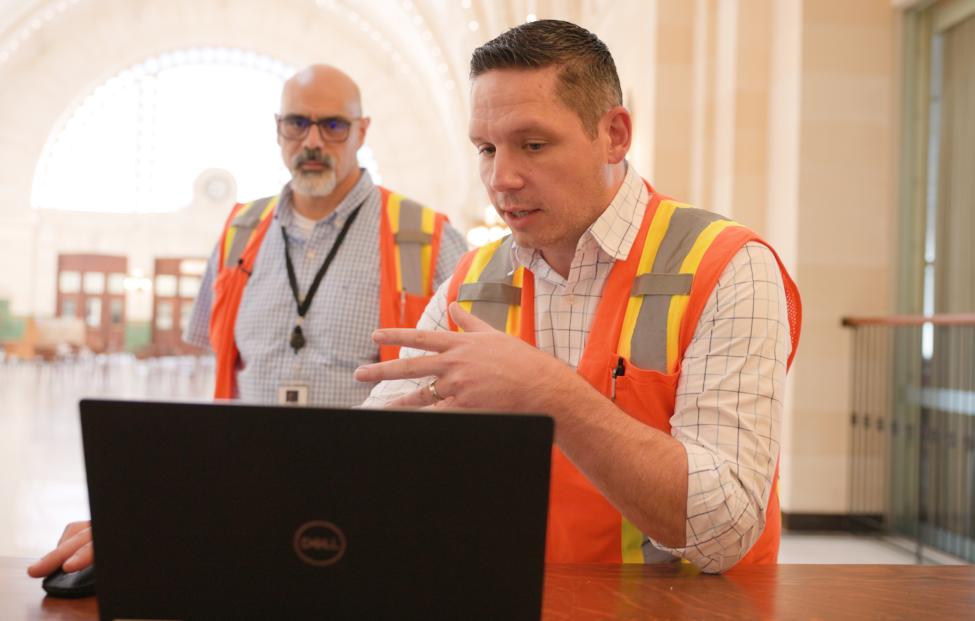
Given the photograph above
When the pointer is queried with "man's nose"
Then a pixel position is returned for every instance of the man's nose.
(313, 140)
(506, 174)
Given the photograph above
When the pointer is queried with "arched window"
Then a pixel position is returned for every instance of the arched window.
(139, 141)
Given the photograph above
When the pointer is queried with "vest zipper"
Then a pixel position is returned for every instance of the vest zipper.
(619, 371)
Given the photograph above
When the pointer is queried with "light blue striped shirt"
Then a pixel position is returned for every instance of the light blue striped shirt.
(343, 313)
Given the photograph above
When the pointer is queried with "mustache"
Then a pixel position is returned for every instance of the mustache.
(513, 202)
(312, 155)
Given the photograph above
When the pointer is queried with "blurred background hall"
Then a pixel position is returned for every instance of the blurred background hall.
(841, 130)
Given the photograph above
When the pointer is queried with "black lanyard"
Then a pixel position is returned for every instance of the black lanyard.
(297, 340)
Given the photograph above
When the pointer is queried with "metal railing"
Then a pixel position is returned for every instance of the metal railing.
(912, 448)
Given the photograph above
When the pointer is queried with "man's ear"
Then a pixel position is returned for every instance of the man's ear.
(363, 128)
(618, 126)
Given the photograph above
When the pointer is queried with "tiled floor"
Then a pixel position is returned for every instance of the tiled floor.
(42, 483)
(42, 475)
(828, 548)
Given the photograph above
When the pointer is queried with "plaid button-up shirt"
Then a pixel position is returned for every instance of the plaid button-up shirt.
(728, 410)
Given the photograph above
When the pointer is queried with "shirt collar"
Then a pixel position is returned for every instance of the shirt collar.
(359, 192)
(615, 230)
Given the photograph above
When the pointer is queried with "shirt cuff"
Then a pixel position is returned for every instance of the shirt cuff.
(723, 521)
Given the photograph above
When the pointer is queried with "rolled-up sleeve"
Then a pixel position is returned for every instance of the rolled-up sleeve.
(728, 410)
(197, 331)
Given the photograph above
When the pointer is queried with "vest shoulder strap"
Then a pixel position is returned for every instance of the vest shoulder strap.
(411, 229)
(676, 242)
(241, 226)
(662, 284)
(500, 292)
(414, 228)
(492, 287)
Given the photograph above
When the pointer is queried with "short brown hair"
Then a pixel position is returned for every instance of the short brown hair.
(587, 81)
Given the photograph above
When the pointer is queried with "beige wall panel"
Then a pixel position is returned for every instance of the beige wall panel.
(845, 210)
(820, 417)
(750, 204)
(674, 107)
(845, 218)
(821, 474)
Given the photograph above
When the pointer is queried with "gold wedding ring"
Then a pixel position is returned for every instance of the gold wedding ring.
(432, 386)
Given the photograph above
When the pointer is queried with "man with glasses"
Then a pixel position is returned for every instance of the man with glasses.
(299, 281)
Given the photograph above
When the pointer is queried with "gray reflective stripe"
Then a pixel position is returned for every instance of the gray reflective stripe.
(497, 271)
(685, 226)
(410, 246)
(648, 347)
(662, 284)
(245, 223)
(652, 554)
(489, 292)
(414, 237)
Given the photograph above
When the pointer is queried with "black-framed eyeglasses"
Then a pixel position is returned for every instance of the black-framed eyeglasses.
(330, 128)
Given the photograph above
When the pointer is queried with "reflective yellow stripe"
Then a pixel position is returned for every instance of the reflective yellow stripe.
(232, 230)
(228, 243)
(228, 240)
(658, 228)
(392, 211)
(271, 204)
(426, 252)
(481, 259)
(678, 303)
(631, 542)
(513, 327)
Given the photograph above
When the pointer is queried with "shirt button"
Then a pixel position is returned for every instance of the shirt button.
(570, 299)
(310, 254)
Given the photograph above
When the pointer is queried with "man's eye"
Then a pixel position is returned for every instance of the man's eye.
(534, 146)
(485, 150)
(298, 122)
(334, 124)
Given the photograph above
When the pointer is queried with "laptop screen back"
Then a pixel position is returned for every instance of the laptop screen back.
(233, 511)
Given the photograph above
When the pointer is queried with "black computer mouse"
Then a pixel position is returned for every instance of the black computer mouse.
(75, 584)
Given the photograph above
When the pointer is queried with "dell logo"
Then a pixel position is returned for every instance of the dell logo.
(319, 543)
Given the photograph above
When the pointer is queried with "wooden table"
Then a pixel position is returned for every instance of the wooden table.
(666, 592)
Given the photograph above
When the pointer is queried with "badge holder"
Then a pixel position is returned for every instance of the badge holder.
(293, 394)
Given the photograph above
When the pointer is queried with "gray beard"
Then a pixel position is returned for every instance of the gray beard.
(313, 183)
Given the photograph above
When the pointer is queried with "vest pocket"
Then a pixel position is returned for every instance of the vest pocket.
(644, 394)
(409, 309)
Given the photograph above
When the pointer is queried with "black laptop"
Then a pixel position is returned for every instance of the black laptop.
(228, 511)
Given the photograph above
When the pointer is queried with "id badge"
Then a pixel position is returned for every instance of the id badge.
(293, 394)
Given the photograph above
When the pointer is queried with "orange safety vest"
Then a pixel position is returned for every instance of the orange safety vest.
(646, 318)
(409, 242)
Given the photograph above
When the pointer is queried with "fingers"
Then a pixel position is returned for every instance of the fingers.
(447, 403)
(419, 398)
(74, 551)
(401, 368)
(73, 529)
(84, 557)
(428, 340)
(423, 399)
(466, 321)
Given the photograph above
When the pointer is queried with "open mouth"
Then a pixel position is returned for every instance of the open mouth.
(514, 216)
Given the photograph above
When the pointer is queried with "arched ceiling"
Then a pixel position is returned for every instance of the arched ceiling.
(410, 57)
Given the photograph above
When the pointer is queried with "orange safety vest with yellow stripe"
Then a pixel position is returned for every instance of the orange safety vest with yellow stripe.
(409, 243)
(646, 318)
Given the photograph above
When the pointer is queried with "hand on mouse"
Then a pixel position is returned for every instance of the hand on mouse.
(75, 551)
